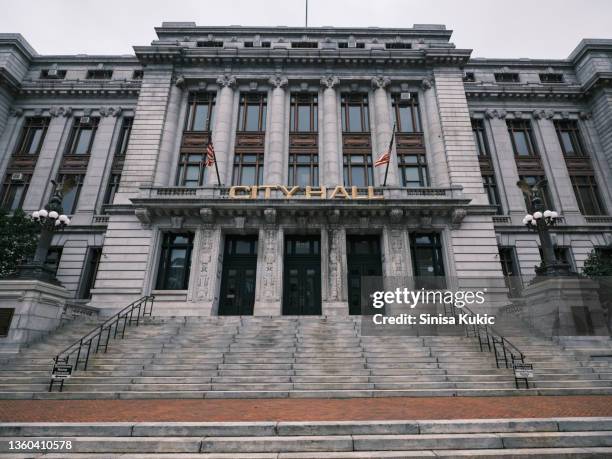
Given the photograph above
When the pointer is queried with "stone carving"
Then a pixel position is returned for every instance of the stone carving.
(38, 112)
(270, 263)
(584, 115)
(543, 114)
(395, 215)
(87, 111)
(426, 84)
(334, 216)
(457, 217)
(226, 81)
(110, 111)
(381, 82)
(278, 81)
(207, 215)
(180, 82)
(144, 215)
(518, 115)
(270, 216)
(501, 114)
(16, 112)
(565, 115)
(203, 290)
(396, 242)
(334, 237)
(330, 81)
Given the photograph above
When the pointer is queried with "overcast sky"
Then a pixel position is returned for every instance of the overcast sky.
(492, 28)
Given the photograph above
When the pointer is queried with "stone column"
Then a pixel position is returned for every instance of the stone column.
(206, 272)
(49, 155)
(334, 269)
(556, 169)
(275, 155)
(502, 144)
(168, 154)
(383, 131)
(397, 267)
(222, 133)
(436, 151)
(98, 160)
(268, 287)
(331, 160)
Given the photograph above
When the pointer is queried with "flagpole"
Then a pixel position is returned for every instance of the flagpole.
(215, 158)
(390, 146)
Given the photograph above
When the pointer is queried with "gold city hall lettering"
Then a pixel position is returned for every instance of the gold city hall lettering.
(309, 192)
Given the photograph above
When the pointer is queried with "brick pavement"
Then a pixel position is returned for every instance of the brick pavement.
(303, 409)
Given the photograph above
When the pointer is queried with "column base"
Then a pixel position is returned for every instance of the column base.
(339, 308)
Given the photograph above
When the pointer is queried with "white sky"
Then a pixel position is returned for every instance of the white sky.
(492, 28)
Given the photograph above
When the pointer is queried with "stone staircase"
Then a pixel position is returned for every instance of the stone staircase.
(491, 438)
(271, 357)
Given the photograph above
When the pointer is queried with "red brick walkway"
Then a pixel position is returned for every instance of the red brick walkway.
(303, 409)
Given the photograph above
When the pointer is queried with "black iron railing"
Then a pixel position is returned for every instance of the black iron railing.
(506, 353)
(77, 355)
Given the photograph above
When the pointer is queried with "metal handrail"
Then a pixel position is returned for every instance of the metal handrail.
(491, 339)
(63, 367)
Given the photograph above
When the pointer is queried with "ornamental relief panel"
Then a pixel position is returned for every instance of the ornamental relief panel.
(203, 290)
(335, 237)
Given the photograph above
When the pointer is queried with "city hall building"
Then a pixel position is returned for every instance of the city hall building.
(294, 213)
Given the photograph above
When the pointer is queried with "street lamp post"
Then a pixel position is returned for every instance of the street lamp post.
(51, 219)
(541, 221)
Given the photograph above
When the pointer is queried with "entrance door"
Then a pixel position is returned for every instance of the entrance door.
(363, 260)
(427, 260)
(238, 277)
(302, 277)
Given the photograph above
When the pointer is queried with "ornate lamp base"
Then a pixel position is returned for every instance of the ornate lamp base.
(36, 271)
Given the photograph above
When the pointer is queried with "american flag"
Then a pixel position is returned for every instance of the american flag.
(383, 159)
(210, 154)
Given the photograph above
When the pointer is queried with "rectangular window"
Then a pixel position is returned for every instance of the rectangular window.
(210, 44)
(358, 169)
(570, 138)
(111, 188)
(200, 112)
(398, 45)
(248, 169)
(90, 271)
(546, 199)
(406, 113)
(99, 74)
(72, 184)
(52, 74)
(6, 317)
(587, 195)
(82, 136)
(32, 136)
(304, 169)
(191, 170)
(551, 77)
(469, 77)
(490, 187)
(124, 136)
(523, 141)
(355, 113)
(480, 137)
(427, 260)
(137, 74)
(252, 113)
(413, 169)
(14, 191)
(175, 261)
(343, 44)
(304, 44)
(304, 113)
(507, 77)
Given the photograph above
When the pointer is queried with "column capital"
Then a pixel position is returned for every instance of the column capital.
(330, 81)
(226, 81)
(381, 82)
(278, 81)
(543, 114)
(490, 114)
(426, 84)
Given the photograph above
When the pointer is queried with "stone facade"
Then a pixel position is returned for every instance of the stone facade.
(155, 86)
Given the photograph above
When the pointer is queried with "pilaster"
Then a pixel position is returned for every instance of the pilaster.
(436, 151)
(334, 270)
(383, 130)
(206, 270)
(268, 287)
(49, 155)
(168, 154)
(222, 133)
(274, 157)
(331, 161)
